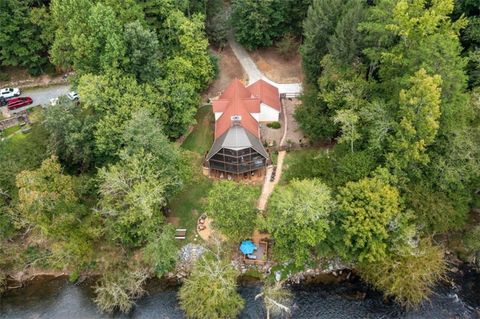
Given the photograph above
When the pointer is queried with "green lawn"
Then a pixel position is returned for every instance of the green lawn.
(201, 138)
(187, 206)
(11, 130)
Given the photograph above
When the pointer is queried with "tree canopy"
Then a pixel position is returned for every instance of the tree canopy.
(299, 218)
(232, 208)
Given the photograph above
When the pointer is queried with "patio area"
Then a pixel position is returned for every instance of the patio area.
(294, 135)
(258, 256)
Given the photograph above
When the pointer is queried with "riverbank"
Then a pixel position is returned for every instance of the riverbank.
(57, 298)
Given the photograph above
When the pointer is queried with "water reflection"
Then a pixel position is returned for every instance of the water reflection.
(58, 299)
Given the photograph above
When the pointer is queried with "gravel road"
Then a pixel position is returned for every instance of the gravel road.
(43, 95)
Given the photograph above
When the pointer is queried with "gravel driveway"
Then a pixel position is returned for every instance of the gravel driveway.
(41, 95)
(254, 74)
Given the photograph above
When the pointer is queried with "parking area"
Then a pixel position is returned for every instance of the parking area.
(40, 96)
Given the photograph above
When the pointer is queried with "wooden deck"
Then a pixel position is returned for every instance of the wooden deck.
(261, 253)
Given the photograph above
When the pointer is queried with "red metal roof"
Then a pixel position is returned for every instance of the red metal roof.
(267, 93)
(241, 101)
(236, 100)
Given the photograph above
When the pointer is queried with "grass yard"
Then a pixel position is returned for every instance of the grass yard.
(11, 130)
(187, 206)
(201, 138)
(295, 159)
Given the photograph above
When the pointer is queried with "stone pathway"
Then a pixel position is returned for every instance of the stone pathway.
(269, 186)
(254, 74)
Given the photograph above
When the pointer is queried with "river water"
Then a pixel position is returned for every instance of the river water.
(59, 299)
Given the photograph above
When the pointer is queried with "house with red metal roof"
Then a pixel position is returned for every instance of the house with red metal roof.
(237, 150)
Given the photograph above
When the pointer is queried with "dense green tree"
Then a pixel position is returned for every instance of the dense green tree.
(178, 97)
(418, 121)
(299, 218)
(320, 24)
(126, 11)
(425, 38)
(346, 43)
(217, 27)
(156, 11)
(434, 211)
(340, 87)
(185, 50)
(48, 200)
(409, 278)
(294, 13)
(256, 23)
(43, 193)
(161, 251)
(142, 55)
(232, 208)
(70, 18)
(210, 292)
(133, 193)
(313, 116)
(21, 43)
(71, 134)
(112, 98)
(143, 134)
(370, 220)
(100, 46)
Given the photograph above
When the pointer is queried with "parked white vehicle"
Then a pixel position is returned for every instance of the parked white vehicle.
(72, 95)
(8, 93)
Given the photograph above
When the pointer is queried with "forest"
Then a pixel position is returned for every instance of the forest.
(388, 183)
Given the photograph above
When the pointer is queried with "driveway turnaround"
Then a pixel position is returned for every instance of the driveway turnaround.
(254, 74)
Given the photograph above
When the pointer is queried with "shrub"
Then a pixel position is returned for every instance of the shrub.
(308, 164)
(472, 239)
(4, 77)
(118, 289)
(216, 67)
(274, 125)
(409, 279)
(287, 46)
(211, 290)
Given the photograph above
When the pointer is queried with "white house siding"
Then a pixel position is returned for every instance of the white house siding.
(268, 113)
